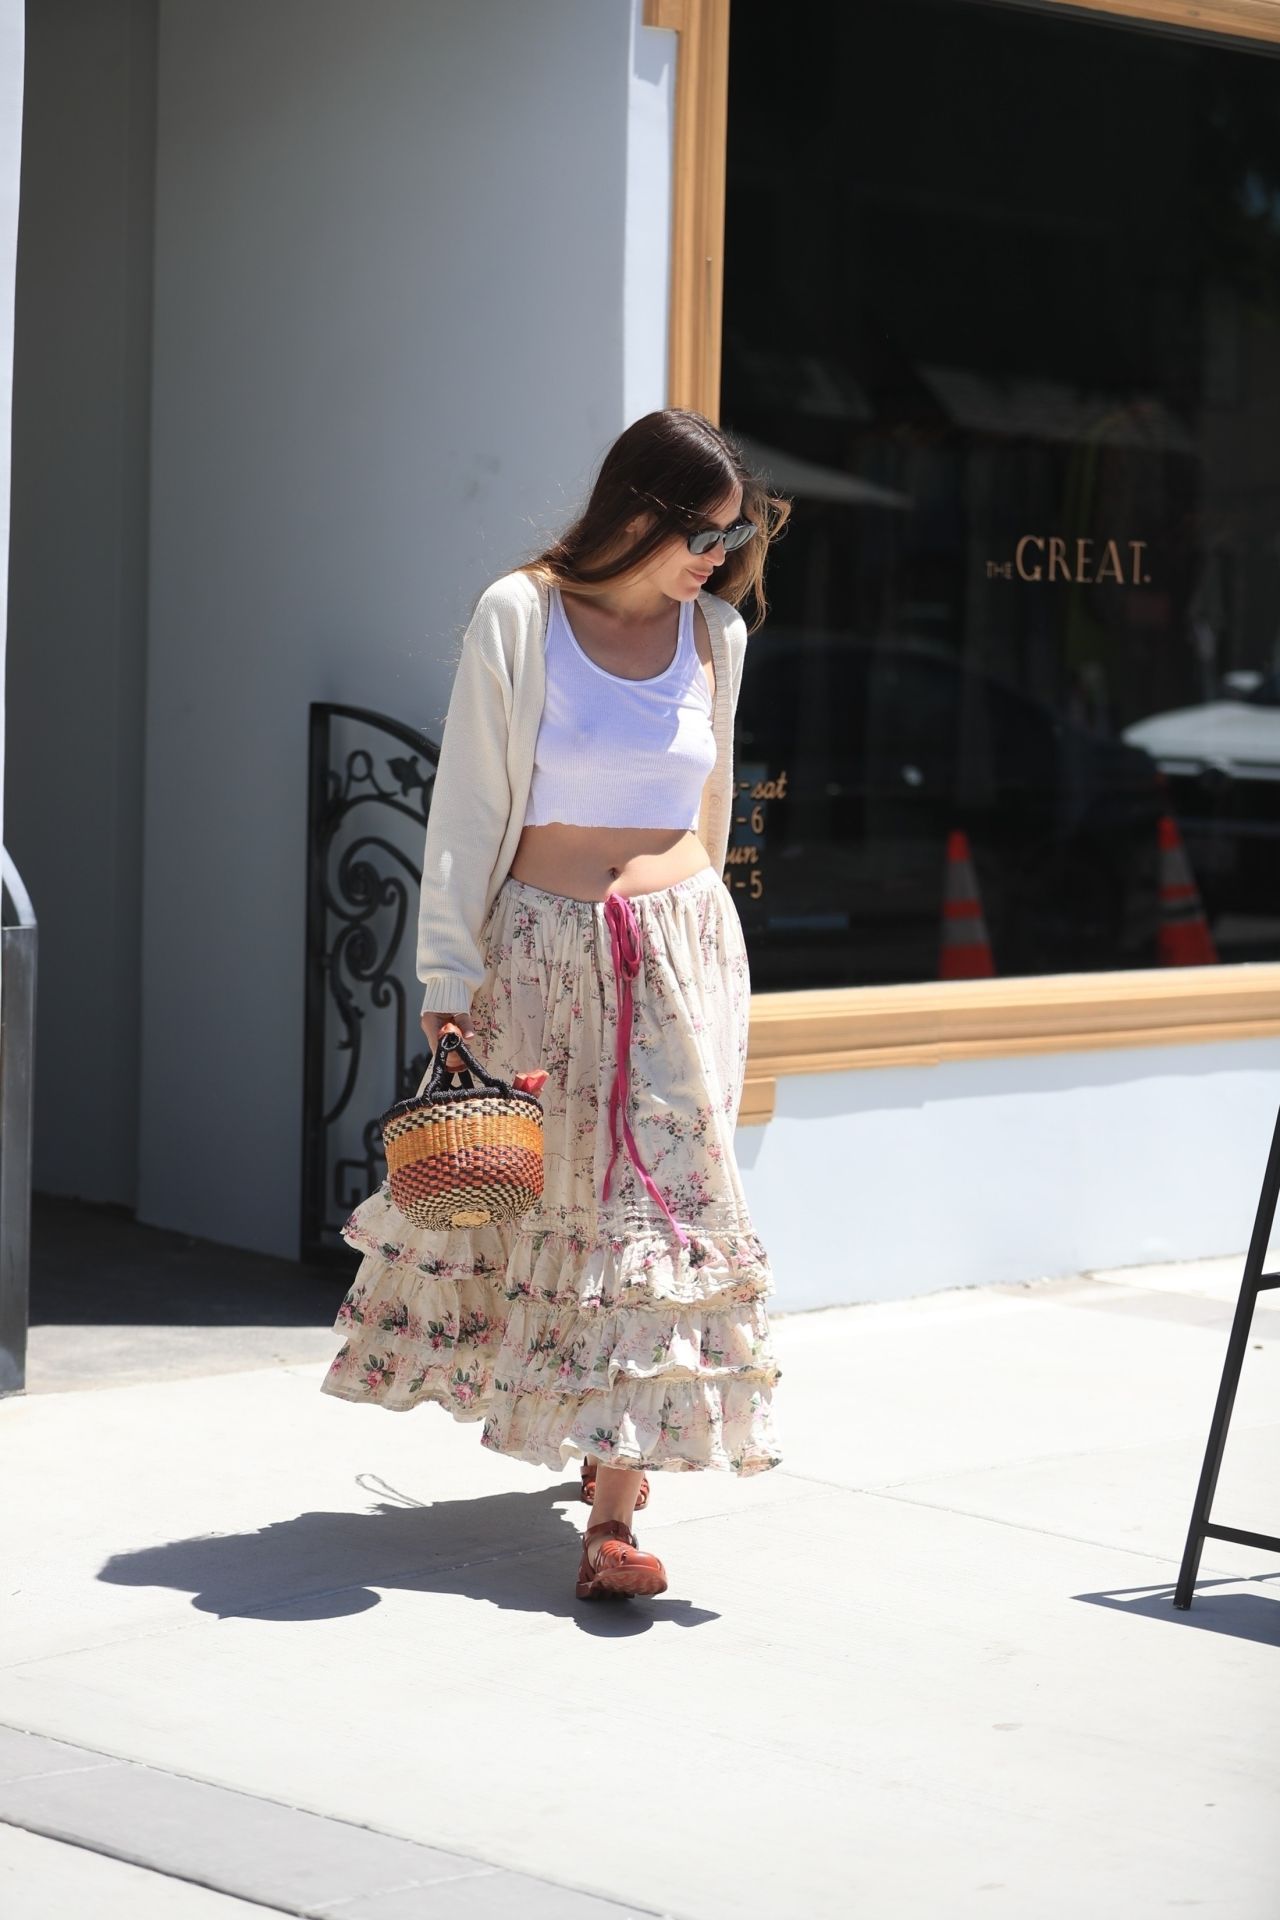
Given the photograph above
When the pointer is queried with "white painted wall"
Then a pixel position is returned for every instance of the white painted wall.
(647, 260)
(405, 295)
(77, 628)
(882, 1184)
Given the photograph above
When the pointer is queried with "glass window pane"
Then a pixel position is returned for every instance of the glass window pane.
(1002, 315)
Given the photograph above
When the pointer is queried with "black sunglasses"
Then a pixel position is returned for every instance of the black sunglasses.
(733, 537)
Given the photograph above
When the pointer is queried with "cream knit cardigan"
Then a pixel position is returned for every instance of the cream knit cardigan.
(486, 766)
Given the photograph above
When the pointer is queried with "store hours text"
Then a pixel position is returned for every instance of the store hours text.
(747, 853)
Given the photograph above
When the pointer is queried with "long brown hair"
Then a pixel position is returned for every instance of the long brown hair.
(672, 466)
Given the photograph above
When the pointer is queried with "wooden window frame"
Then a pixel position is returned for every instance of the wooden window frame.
(832, 1030)
(1223, 19)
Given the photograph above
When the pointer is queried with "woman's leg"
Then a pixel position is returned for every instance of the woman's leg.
(588, 1474)
(617, 1489)
(612, 1564)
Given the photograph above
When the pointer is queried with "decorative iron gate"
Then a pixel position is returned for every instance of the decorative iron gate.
(369, 792)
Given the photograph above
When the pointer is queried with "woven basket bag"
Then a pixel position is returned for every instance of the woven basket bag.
(465, 1156)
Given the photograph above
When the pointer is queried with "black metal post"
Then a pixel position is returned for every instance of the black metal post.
(17, 1094)
(1254, 1282)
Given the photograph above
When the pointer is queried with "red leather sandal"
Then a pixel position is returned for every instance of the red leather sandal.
(589, 1485)
(620, 1569)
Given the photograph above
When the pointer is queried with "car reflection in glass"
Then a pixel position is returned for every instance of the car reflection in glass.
(1222, 764)
(891, 745)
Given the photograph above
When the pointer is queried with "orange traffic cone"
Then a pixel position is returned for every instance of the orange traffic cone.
(966, 947)
(1184, 937)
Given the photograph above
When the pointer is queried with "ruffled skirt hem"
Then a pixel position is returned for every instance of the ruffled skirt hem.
(633, 1379)
(561, 1264)
(664, 1426)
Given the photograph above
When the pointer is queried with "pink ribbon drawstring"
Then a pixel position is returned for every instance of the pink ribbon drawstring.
(624, 937)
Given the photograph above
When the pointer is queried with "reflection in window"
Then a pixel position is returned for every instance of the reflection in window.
(1002, 315)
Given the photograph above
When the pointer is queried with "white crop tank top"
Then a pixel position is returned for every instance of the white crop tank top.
(613, 752)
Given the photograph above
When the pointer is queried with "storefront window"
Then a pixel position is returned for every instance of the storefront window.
(1002, 315)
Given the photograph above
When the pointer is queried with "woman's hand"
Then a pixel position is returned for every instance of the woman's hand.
(433, 1022)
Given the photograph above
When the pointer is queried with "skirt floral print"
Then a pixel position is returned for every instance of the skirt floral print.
(586, 1327)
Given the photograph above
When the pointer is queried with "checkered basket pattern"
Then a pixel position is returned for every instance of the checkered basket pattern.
(468, 1156)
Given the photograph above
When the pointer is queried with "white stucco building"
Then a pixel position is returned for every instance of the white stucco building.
(324, 313)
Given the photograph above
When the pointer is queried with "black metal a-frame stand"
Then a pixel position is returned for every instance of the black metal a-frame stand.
(1254, 1282)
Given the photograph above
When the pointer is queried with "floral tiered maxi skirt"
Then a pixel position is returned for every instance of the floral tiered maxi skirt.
(590, 1325)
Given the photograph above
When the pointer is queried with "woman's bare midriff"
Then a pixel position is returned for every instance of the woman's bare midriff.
(590, 863)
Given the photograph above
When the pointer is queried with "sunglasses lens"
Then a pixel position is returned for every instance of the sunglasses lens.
(737, 536)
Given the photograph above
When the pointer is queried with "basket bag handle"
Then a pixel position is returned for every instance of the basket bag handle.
(438, 1072)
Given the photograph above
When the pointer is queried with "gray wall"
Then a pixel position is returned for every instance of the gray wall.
(390, 342)
(78, 568)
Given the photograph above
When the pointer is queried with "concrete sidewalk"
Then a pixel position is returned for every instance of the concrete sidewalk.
(263, 1647)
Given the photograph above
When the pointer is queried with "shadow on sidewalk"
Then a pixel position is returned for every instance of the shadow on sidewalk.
(1243, 1616)
(97, 1266)
(514, 1550)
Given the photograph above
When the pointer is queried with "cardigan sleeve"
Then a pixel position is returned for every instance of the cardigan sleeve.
(736, 637)
(467, 821)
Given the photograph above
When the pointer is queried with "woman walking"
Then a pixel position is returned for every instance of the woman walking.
(573, 918)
